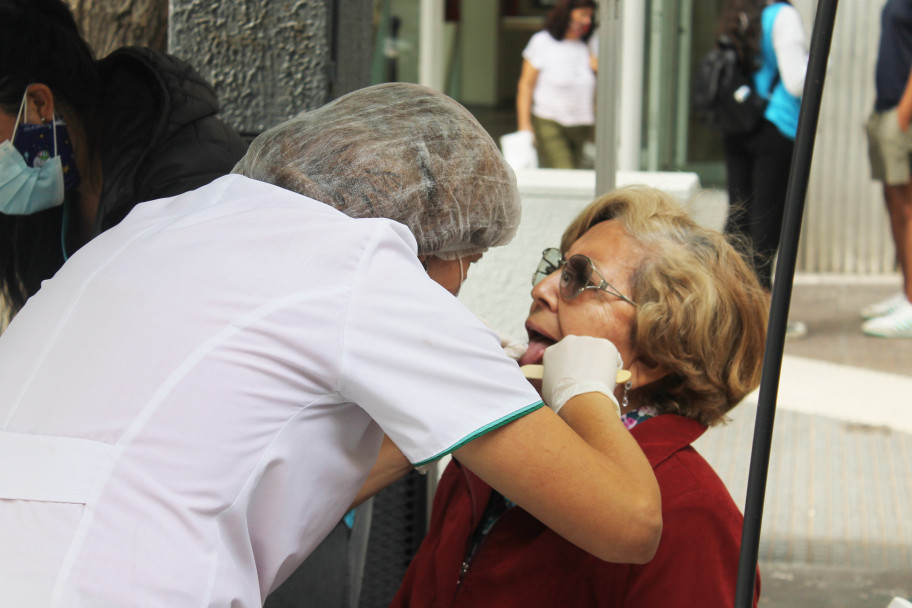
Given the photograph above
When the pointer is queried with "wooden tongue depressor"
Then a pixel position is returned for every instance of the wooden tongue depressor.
(534, 372)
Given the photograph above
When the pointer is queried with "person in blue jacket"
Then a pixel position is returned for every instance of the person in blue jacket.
(771, 37)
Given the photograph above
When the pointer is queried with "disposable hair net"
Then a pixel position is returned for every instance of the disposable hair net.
(399, 151)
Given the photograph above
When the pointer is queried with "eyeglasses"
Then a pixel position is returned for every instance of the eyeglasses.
(576, 275)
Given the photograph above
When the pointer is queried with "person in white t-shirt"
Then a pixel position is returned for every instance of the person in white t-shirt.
(194, 400)
(555, 98)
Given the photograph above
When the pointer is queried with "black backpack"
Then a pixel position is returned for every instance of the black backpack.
(722, 92)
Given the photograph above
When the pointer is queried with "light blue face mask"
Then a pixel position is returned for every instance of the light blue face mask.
(23, 189)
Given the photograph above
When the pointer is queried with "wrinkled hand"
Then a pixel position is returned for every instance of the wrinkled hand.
(577, 365)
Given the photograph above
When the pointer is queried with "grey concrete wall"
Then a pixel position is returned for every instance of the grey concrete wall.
(271, 59)
(352, 46)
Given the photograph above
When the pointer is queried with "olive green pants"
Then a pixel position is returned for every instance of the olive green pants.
(559, 147)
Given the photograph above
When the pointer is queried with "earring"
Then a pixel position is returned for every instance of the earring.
(43, 120)
(624, 401)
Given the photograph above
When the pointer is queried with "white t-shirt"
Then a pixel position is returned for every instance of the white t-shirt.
(193, 401)
(565, 87)
(790, 45)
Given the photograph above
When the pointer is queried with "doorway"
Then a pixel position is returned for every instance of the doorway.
(679, 33)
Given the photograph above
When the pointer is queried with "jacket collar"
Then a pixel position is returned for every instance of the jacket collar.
(663, 435)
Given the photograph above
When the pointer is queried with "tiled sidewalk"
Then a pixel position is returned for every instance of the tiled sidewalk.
(837, 519)
(838, 493)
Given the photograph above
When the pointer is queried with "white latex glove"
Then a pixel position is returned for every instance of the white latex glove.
(577, 365)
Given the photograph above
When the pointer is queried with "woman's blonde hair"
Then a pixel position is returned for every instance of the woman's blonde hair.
(701, 313)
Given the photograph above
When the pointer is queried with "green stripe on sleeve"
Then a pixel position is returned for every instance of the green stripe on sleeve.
(483, 430)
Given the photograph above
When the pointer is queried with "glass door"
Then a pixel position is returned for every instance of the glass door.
(679, 33)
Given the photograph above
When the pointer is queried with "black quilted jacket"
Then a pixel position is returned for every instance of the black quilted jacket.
(160, 133)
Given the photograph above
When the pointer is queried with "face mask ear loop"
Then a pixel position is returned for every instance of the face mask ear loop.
(63, 228)
(66, 207)
(461, 274)
(66, 203)
(54, 131)
(19, 116)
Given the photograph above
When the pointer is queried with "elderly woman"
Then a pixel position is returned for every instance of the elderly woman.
(688, 318)
(196, 397)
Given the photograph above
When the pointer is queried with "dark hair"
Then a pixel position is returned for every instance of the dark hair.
(740, 24)
(558, 19)
(40, 43)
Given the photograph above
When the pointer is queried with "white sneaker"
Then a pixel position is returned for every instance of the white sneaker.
(884, 307)
(897, 324)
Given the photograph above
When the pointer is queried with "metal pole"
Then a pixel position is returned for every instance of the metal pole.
(430, 44)
(609, 37)
(799, 173)
(630, 104)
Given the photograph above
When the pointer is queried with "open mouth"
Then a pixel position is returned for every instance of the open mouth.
(537, 345)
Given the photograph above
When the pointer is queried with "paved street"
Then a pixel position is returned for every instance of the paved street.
(836, 529)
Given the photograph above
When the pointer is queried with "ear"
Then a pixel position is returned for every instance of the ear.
(643, 374)
(39, 104)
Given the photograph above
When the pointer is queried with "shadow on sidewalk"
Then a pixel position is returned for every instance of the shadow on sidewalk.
(829, 306)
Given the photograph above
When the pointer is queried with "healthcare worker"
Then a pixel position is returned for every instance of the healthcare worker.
(195, 399)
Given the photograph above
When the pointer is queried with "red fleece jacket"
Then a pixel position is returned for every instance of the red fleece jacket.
(521, 563)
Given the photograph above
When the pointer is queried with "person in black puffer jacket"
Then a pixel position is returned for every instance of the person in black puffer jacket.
(134, 126)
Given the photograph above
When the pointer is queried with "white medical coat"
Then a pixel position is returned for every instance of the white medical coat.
(193, 401)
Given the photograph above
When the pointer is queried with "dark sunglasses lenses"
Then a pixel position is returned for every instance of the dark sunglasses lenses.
(575, 276)
(550, 262)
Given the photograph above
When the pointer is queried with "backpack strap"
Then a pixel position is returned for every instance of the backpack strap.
(773, 82)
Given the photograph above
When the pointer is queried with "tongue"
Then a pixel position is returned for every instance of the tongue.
(534, 353)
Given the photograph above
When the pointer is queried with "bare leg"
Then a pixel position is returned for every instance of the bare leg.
(899, 206)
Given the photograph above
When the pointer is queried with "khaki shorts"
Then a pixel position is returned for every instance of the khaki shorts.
(889, 148)
(560, 147)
